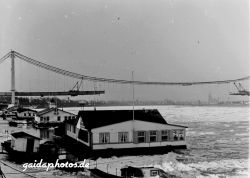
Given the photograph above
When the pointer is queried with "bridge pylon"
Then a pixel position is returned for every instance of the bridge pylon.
(13, 90)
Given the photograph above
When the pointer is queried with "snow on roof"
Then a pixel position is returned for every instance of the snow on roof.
(22, 134)
(47, 110)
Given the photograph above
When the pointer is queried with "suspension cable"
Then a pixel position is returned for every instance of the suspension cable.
(108, 80)
(5, 57)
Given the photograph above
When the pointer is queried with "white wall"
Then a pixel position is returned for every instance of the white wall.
(53, 116)
(22, 114)
(128, 126)
(20, 144)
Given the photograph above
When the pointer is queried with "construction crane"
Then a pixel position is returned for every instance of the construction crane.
(241, 91)
(75, 89)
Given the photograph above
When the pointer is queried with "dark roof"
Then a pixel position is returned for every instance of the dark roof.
(22, 134)
(19, 110)
(99, 118)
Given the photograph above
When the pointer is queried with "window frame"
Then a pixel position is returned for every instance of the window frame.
(150, 135)
(154, 171)
(140, 136)
(164, 135)
(105, 139)
(121, 136)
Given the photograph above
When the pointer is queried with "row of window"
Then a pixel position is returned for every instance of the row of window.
(29, 114)
(141, 136)
(46, 119)
(163, 135)
(105, 137)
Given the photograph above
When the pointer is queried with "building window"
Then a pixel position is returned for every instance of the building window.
(175, 135)
(104, 137)
(178, 135)
(69, 117)
(152, 136)
(164, 135)
(74, 129)
(122, 137)
(154, 173)
(58, 118)
(41, 119)
(65, 117)
(24, 114)
(141, 136)
(29, 114)
(48, 119)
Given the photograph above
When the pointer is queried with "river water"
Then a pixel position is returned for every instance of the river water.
(217, 141)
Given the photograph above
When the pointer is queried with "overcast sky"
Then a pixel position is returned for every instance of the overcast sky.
(160, 40)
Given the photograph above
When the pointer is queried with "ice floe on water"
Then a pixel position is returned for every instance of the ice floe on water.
(184, 168)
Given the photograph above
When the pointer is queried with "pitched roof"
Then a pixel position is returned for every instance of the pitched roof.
(47, 110)
(99, 118)
(19, 110)
(22, 134)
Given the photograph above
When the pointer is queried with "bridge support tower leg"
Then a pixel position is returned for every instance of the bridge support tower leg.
(12, 77)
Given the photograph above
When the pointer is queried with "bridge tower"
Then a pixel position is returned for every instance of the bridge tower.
(13, 90)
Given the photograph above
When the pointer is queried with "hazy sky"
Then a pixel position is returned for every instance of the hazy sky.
(161, 40)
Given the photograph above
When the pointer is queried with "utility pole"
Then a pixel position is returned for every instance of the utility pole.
(133, 122)
(12, 55)
(133, 95)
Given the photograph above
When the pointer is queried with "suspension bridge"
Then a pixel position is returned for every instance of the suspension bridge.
(76, 89)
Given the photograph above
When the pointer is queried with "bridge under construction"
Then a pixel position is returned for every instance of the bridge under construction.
(76, 91)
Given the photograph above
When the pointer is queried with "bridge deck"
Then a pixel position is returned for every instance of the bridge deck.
(57, 93)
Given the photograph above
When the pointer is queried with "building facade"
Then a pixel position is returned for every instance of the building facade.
(101, 130)
(47, 119)
(53, 115)
(24, 142)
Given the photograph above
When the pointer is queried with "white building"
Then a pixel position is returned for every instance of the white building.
(53, 115)
(26, 113)
(24, 142)
(50, 118)
(116, 130)
(21, 113)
